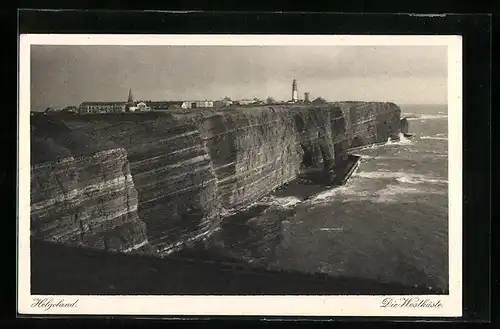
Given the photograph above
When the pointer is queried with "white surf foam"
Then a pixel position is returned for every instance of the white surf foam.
(401, 177)
(391, 193)
(329, 229)
(394, 193)
(346, 193)
(434, 137)
(402, 141)
(370, 147)
(428, 117)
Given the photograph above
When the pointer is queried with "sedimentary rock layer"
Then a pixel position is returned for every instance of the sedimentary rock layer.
(186, 168)
(369, 123)
(255, 150)
(82, 195)
(172, 171)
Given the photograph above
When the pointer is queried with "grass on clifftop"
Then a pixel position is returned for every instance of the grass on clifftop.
(51, 139)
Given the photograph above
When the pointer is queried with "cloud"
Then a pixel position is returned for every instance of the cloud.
(71, 74)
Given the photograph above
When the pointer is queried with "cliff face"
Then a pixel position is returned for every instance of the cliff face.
(256, 150)
(186, 168)
(172, 173)
(81, 192)
(253, 150)
(369, 123)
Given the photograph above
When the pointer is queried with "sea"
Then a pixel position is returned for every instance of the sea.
(388, 223)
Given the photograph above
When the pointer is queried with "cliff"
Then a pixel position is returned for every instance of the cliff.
(188, 168)
(370, 123)
(82, 192)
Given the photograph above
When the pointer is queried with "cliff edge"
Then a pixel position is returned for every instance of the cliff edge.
(162, 180)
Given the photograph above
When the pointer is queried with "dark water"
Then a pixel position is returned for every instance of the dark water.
(389, 222)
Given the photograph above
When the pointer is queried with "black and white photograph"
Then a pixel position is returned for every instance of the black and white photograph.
(259, 175)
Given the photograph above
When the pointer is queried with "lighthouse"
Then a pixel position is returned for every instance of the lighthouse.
(295, 93)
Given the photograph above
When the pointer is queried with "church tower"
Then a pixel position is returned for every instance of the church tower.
(295, 93)
(130, 98)
(130, 101)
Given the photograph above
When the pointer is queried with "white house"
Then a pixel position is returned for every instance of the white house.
(197, 104)
(245, 101)
(142, 107)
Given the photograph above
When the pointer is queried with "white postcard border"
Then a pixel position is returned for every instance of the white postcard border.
(450, 305)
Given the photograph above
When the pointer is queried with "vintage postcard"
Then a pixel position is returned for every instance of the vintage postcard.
(268, 175)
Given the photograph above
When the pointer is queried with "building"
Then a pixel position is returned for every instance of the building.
(167, 105)
(295, 93)
(226, 101)
(306, 98)
(108, 107)
(245, 101)
(102, 107)
(201, 104)
(142, 107)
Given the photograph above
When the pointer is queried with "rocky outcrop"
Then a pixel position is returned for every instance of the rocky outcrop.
(188, 168)
(82, 192)
(404, 126)
(370, 123)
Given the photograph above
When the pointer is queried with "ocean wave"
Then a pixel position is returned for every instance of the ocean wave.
(343, 191)
(401, 177)
(402, 141)
(370, 147)
(391, 193)
(378, 157)
(434, 137)
(394, 193)
(329, 229)
(427, 117)
(434, 154)
(410, 179)
(272, 201)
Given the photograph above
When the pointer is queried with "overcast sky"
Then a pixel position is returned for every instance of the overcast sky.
(69, 75)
